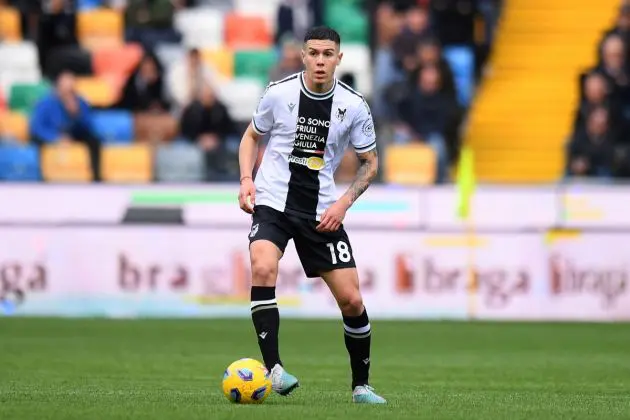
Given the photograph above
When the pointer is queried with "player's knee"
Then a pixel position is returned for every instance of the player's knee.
(351, 304)
(264, 273)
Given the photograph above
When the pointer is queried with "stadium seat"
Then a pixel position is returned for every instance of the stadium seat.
(179, 162)
(154, 128)
(66, 163)
(201, 27)
(14, 125)
(100, 28)
(19, 162)
(348, 19)
(241, 97)
(18, 57)
(8, 78)
(356, 60)
(97, 91)
(120, 60)
(462, 61)
(267, 9)
(254, 64)
(89, 4)
(131, 163)
(247, 32)
(411, 164)
(222, 60)
(169, 54)
(24, 96)
(114, 126)
(10, 24)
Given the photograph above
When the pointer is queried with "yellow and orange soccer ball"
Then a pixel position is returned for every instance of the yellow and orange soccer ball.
(246, 381)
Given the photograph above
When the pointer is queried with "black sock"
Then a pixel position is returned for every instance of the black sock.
(357, 335)
(266, 320)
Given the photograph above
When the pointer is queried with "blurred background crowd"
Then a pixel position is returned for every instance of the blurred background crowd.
(161, 90)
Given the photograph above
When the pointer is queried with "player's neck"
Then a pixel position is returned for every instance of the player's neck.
(318, 87)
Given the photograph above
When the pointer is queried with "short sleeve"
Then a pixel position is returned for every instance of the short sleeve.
(263, 116)
(362, 135)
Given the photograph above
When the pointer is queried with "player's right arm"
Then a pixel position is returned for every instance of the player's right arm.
(261, 123)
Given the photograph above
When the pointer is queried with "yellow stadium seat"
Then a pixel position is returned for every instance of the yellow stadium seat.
(14, 125)
(128, 163)
(96, 90)
(66, 163)
(10, 24)
(412, 164)
(100, 28)
(222, 60)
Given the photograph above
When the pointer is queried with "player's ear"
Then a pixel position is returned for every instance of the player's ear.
(339, 57)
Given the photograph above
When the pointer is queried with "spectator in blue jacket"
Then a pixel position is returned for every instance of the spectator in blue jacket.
(62, 117)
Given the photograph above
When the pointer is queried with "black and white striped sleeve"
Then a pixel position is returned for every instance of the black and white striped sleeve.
(263, 116)
(362, 135)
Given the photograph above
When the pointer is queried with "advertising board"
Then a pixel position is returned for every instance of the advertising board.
(186, 272)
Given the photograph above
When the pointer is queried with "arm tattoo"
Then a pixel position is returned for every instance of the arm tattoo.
(366, 173)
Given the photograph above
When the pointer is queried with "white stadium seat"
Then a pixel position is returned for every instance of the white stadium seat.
(201, 27)
(169, 54)
(241, 97)
(264, 8)
(20, 56)
(356, 59)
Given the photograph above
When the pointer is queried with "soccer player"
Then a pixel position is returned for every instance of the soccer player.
(311, 117)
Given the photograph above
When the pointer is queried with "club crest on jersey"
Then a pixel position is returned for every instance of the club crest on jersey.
(341, 114)
(368, 128)
(291, 106)
(314, 162)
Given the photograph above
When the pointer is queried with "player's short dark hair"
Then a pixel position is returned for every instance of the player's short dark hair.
(323, 33)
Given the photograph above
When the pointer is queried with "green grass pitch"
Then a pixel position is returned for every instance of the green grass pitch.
(172, 369)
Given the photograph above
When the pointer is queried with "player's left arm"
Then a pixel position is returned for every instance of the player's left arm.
(368, 169)
(363, 139)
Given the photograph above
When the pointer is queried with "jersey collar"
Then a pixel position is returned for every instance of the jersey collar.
(313, 95)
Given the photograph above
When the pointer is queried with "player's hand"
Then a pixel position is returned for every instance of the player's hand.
(333, 217)
(247, 196)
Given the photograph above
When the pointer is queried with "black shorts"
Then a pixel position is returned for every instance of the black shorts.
(318, 251)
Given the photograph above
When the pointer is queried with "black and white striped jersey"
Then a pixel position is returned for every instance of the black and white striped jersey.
(309, 133)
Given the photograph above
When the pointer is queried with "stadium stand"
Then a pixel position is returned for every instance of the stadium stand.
(133, 68)
(522, 115)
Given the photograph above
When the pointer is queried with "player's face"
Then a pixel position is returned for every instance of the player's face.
(321, 58)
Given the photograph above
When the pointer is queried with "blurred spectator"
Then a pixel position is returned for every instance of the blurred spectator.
(595, 94)
(426, 112)
(592, 150)
(150, 22)
(186, 78)
(406, 43)
(293, 19)
(614, 66)
(62, 117)
(144, 90)
(454, 21)
(290, 61)
(429, 54)
(57, 28)
(621, 28)
(207, 122)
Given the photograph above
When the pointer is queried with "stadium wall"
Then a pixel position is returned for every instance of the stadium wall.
(556, 253)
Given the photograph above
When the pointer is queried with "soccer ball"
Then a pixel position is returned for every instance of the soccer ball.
(246, 381)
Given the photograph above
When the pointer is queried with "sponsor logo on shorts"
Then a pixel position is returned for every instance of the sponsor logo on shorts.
(314, 162)
(254, 231)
